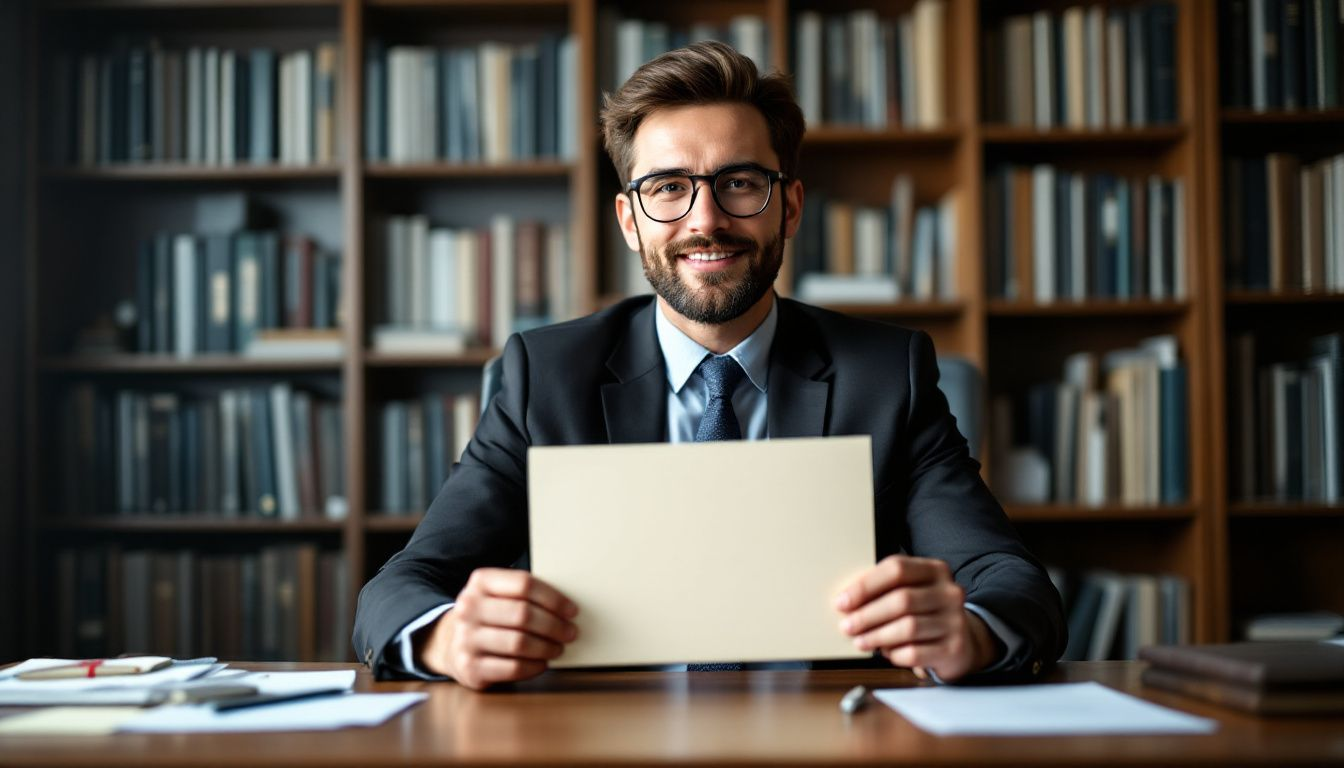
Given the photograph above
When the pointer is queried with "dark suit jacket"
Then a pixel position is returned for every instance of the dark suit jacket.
(601, 379)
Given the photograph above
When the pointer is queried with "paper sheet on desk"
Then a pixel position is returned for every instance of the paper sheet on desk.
(119, 689)
(323, 714)
(1036, 710)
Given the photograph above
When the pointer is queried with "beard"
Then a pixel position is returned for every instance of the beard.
(722, 296)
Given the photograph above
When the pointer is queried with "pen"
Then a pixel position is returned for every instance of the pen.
(854, 700)
(261, 700)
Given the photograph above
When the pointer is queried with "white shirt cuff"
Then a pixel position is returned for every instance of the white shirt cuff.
(406, 649)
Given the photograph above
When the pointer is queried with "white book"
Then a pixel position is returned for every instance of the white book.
(403, 340)
(1336, 218)
(569, 97)
(1075, 71)
(502, 283)
(948, 209)
(1043, 69)
(870, 230)
(559, 274)
(926, 233)
(747, 33)
(1157, 244)
(629, 50)
(468, 282)
(1093, 59)
(1094, 456)
(1043, 232)
(466, 412)
(398, 106)
(1117, 85)
(808, 57)
(210, 98)
(442, 276)
(496, 110)
(930, 30)
(1334, 263)
(428, 104)
(303, 107)
(417, 278)
(282, 434)
(185, 263)
(227, 71)
(826, 288)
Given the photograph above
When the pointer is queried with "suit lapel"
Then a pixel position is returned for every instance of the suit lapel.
(799, 389)
(635, 405)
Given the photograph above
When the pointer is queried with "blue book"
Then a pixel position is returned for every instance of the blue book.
(1162, 63)
(1123, 246)
(375, 101)
(261, 111)
(246, 299)
(263, 453)
(216, 295)
(548, 100)
(144, 297)
(163, 293)
(1172, 418)
(470, 115)
(268, 254)
(137, 109)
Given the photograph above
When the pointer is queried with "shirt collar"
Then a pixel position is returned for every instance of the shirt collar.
(682, 354)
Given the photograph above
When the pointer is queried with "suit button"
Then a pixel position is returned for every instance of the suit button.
(1036, 667)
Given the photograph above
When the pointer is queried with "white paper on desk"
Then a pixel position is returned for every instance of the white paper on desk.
(327, 713)
(117, 689)
(274, 683)
(703, 552)
(1036, 710)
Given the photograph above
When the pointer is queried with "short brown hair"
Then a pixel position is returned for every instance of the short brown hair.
(701, 73)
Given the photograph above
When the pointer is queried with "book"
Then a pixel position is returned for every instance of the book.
(1255, 664)
(1247, 698)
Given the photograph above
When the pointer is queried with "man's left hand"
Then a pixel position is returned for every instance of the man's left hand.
(910, 610)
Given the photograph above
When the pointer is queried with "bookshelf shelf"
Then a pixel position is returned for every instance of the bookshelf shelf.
(180, 172)
(843, 136)
(1283, 117)
(132, 363)
(1002, 308)
(1134, 137)
(385, 523)
(1284, 509)
(199, 524)
(1106, 513)
(905, 309)
(540, 169)
(471, 358)
(1261, 299)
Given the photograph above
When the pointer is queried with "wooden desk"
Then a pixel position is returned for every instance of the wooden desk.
(739, 718)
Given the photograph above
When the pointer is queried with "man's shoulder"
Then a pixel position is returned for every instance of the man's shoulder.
(840, 332)
(590, 334)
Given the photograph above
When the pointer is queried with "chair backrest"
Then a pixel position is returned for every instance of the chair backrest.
(964, 388)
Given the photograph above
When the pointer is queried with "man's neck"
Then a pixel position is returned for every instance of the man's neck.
(720, 338)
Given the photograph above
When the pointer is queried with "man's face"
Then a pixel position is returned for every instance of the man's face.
(709, 266)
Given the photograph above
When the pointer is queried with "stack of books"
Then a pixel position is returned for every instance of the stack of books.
(1264, 678)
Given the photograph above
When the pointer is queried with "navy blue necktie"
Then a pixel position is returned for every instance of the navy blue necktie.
(721, 375)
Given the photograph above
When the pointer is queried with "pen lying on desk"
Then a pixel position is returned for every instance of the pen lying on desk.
(260, 700)
(854, 700)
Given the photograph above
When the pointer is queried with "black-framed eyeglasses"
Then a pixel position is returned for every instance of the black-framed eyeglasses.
(741, 191)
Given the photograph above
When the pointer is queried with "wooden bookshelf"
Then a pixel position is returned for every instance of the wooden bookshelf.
(1014, 342)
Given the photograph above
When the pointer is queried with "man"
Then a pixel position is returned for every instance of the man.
(709, 151)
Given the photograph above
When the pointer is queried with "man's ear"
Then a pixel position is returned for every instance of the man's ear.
(793, 207)
(625, 214)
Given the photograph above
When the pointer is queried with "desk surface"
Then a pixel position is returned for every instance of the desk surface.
(704, 718)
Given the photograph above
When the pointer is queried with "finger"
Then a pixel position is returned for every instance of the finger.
(508, 613)
(510, 582)
(927, 655)
(928, 628)
(891, 572)
(903, 601)
(486, 670)
(511, 643)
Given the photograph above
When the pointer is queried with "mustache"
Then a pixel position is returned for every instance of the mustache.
(724, 242)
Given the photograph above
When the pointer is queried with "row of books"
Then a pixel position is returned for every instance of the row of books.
(848, 252)
(1287, 433)
(422, 440)
(1091, 440)
(1092, 67)
(1281, 54)
(200, 294)
(1283, 223)
(1052, 234)
(858, 68)
(1112, 615)
(631, 42)
(269, 452)
(491, 102)
(446, 289)
(277, 603)
(205, 105)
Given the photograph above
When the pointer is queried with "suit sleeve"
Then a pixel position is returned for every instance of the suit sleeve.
(951, 515)
(478, 519)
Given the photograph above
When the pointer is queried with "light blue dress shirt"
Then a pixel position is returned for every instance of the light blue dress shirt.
(685, 407)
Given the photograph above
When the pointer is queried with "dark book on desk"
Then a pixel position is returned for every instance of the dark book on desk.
(1266, 665)
(1248, 698)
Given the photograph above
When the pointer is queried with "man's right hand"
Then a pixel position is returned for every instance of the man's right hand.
(506, 625)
